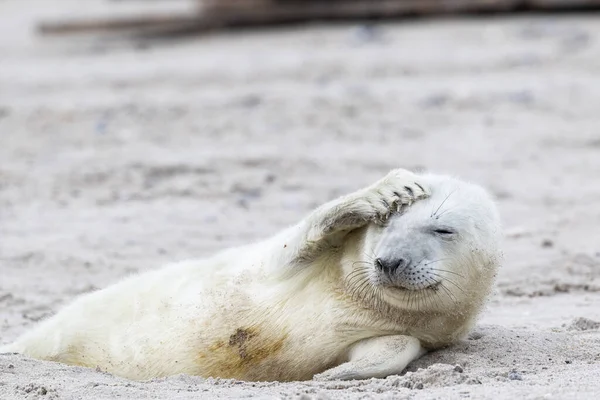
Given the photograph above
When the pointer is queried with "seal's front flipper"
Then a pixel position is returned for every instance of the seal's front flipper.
(373, 204)
(376, 358)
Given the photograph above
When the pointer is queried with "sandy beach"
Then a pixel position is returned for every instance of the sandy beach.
(118, 156)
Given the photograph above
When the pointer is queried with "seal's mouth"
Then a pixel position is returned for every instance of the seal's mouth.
(435, 286)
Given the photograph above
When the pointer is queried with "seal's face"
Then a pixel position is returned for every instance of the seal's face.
(440, 244)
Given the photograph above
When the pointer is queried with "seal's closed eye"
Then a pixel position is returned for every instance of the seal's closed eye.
(443, 232)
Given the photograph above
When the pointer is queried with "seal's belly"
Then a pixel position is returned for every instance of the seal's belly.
(259, 354)
(218, 326)
(268, 339)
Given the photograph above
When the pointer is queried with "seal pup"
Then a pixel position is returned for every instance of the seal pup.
(359, 288)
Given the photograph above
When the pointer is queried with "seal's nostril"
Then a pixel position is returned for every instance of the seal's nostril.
(402, 263)
(392, 265)
(385, 265)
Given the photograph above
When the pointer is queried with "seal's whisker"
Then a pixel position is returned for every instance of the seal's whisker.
(440, 206)
(373, 253)
(377, 303)
(450, 272)
(365, 289)
(361, 262)
(356, 277)
(356, 274)
(411, 298)
(370, 257)
(427, 299)
(438, 300)
(358, 288)
(357, 266)
(357, 271)
(380, 302)
(438, 260)
(448, 293)
(455, 284)
(445, 211)
(354, 290)
(405, 296)
(373, 297)
(353, 279)
(434, 298)
(450, 281)
(356, 280)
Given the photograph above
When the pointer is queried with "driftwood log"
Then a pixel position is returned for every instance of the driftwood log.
(219, 14)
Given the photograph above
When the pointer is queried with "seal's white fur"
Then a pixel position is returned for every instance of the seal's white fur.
(310, 301)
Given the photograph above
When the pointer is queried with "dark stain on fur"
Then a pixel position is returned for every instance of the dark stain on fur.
(248, 354)
(239, 339)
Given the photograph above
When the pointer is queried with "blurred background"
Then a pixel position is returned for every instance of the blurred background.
(135, 133)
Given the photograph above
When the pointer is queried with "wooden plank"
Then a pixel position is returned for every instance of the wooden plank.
(388, 7)
(108, 24)
(252, 10)
(216, 14)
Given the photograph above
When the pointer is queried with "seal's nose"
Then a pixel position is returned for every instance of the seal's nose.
(391, 265)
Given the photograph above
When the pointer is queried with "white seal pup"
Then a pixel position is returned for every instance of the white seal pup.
(361, 287)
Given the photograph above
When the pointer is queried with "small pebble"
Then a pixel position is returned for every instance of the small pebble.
(521, 97)
(101, 126)
(435, 100)
(250, 101)
(270, 178)
(458, 369)
(547, 243)
(4, 112)
(367, 34)
(515, 376)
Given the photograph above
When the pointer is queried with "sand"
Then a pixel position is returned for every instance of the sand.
(118, 156)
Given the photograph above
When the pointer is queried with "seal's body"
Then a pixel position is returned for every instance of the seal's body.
(358, 289)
